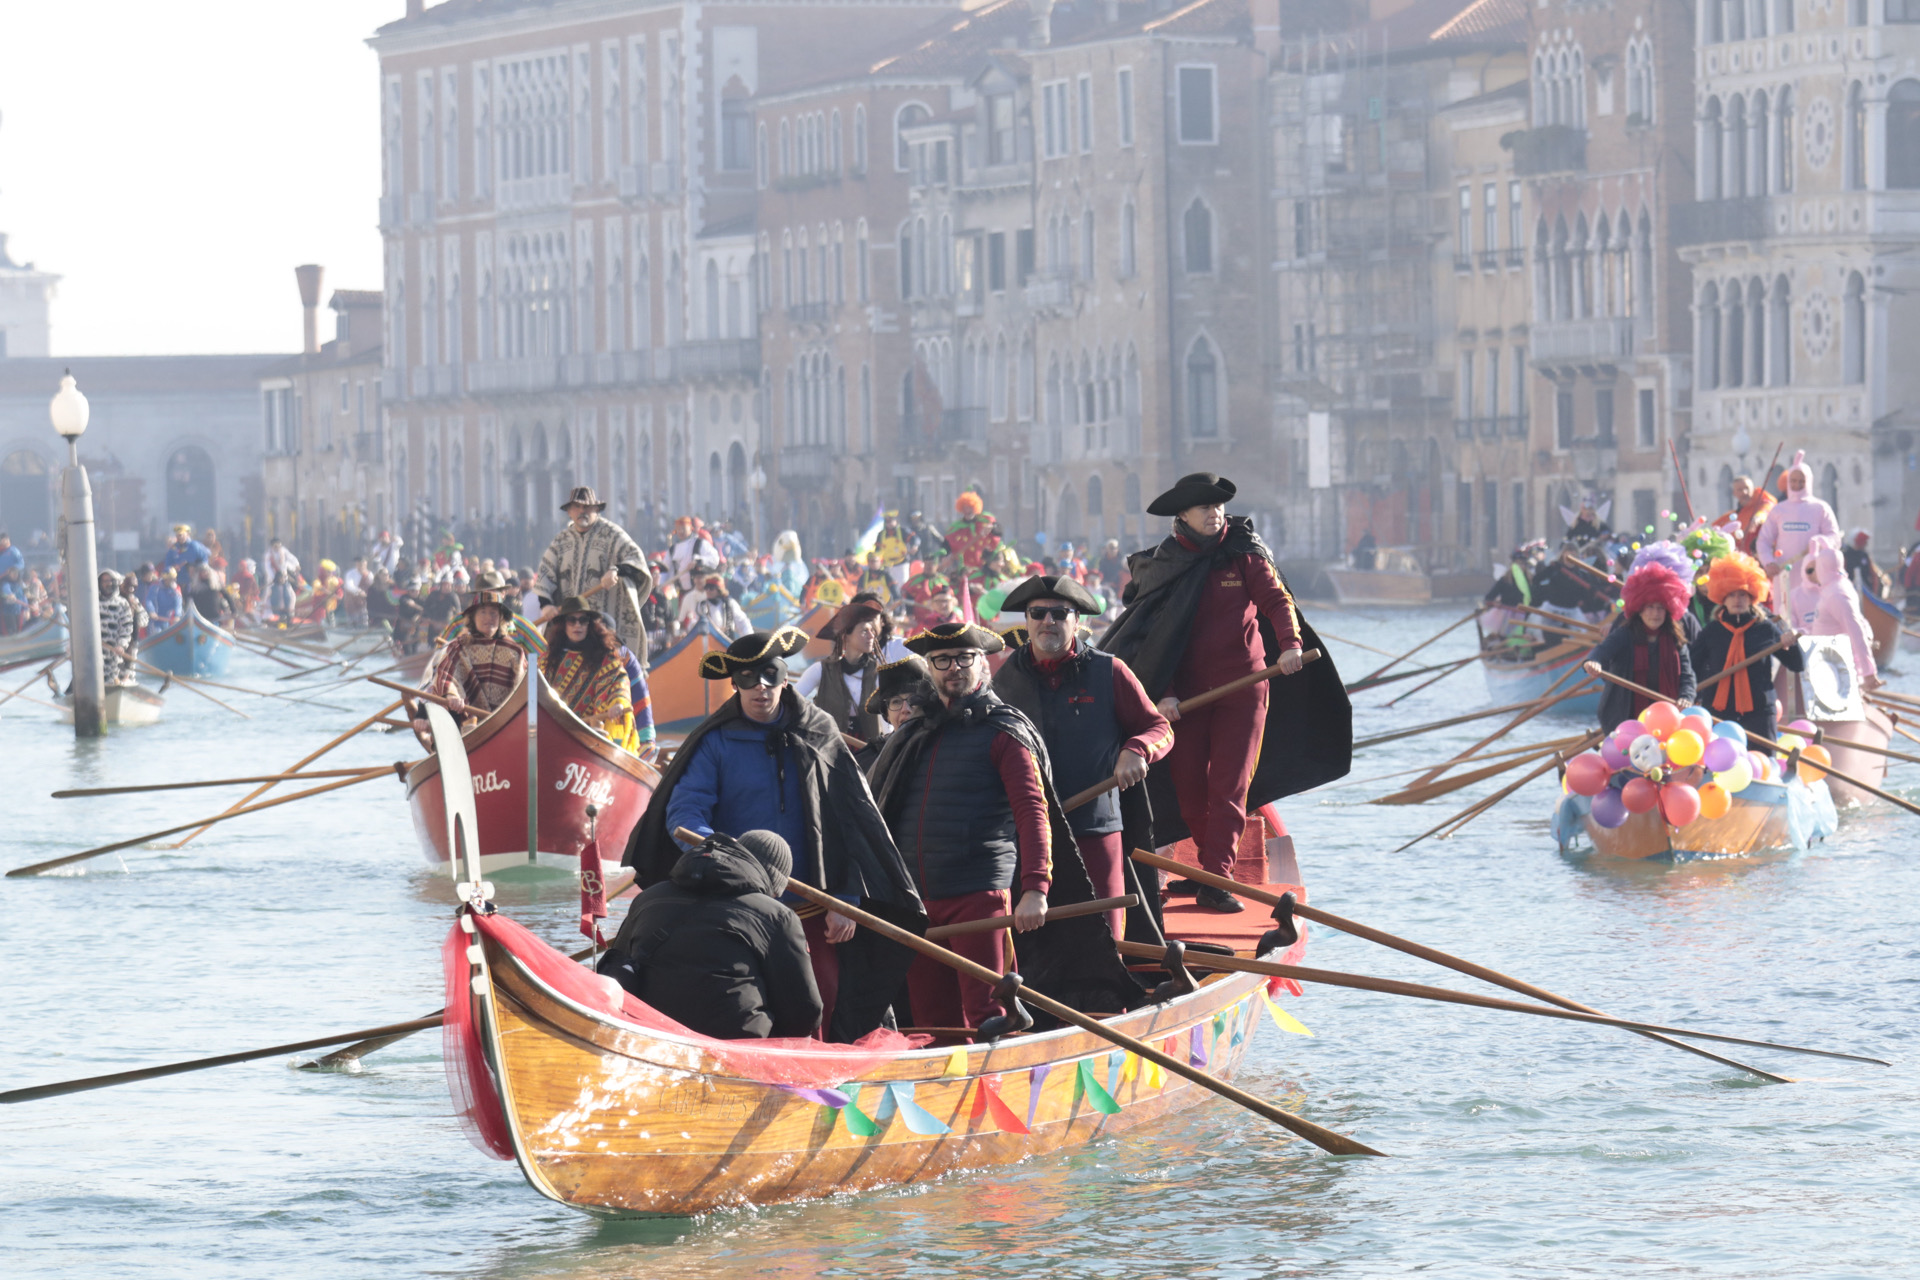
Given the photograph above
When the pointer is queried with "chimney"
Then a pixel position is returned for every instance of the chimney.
(309, 278)
(1040, 30)
(416, 7)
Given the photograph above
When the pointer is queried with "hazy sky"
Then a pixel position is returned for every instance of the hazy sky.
(175, 162)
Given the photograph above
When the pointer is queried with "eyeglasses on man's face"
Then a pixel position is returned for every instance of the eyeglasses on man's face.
(1057, 613)
(948, 661)
(760, 678)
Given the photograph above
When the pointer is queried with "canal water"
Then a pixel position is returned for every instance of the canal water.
(1520, 1146)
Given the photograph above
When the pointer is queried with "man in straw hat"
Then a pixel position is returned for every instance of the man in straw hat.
(481, 665)
(967, 792)
(594, 558)
(770, 760)
(1204, 608)
(1098, 723)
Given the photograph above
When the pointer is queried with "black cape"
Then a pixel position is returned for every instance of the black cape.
(1308, 738)
(853, 855)
(1074, 961)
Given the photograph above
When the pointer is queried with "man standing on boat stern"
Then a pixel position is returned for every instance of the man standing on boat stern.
(1207, 607)
(770, 760)
(964, 790)
(1097, 722)
(593, 557)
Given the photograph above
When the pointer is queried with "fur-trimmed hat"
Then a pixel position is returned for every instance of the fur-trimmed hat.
(1201, 489)
(897, 678)
(1045, 587)
(1656, 584)
(755, 649)
(955, 635)
(1737, 571)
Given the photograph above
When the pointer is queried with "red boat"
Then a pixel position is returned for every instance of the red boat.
(576, 767)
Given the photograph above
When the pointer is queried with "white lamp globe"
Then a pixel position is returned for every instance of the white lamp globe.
(69, 409)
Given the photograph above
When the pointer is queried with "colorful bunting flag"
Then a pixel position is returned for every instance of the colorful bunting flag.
(956, 1063)
(1239, 1025)
(1282, 1019)
(859, 1123)
(898, 1096)
(987, 1100)
(1197, 1045)
(1130, 1067)
(825, 1097)
(1035, 1079)
(1097, 1097)
(1116, 1062)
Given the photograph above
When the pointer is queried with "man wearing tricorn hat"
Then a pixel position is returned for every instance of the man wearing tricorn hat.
(770, 760)
(1204, 608)
(594, 558)
(1098, 723)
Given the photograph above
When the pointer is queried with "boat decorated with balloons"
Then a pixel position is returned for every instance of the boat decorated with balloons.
(1677, 785)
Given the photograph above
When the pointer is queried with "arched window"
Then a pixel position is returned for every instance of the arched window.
(859, 138)
(1203, 391)
(1582, 273)
(1096, 498)
(786, 148)
(1132, 494)
(1736, 143)
(1708, 168)
(1707, 345)
(997, 389)
(1829, 489)
(1643, 266)
(1736, 321)
(1735, 18)
(833, 141)
(1056, 409)
(1856, 139)
(1715, 29)
(1782, 17)
(1903, 136)
(1127, 248)
(713, 299)
(1780, 336)
(905, 118)
(1197, 228)
(860, 260)
(1607, 295)
(1542, 274)
(1853, 331)
(1758, 114)
(906, 259)
(1757, 333)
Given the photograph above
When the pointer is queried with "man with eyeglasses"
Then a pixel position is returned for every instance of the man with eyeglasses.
(1097, 721)
(769, 760)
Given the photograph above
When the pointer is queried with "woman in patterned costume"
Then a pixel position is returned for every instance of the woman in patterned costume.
(583, 665)
(481, 665)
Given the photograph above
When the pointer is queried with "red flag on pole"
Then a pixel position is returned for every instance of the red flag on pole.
(593, 888)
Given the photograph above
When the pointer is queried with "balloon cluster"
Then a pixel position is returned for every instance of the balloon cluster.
(1681, 763)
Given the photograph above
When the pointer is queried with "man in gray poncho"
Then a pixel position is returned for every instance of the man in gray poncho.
(595, 559)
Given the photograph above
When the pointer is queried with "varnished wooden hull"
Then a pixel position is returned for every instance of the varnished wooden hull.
(681, 698)
(1883, 624)
(1766, 817)
(192, 646)
(1379, 586)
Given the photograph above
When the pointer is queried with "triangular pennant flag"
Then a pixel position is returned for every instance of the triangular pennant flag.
(1115, 1061)
(956, 1063)
(1097, 1097)
(859, 1123)
(987, 1098)
(1239, 1025)
(1197, 1045)
(825, 1097)
(1282, 1019)
(916, 1117)
(1156, 1074)
(1035, 1079)
(1130, 1066)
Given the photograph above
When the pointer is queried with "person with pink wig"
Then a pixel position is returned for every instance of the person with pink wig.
(1649, 646)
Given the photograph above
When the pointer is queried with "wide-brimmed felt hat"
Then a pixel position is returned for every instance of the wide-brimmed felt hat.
(755, 649)
(1050, 587)
(483, 598)
(490, 580)
(955, 635)
(576, 605)
(584, 496)
(1201, 489)
(849, 616)
(896, 678)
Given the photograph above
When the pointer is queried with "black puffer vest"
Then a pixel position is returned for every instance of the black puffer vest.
(832, 698)
(1077, 723)
(955, 825)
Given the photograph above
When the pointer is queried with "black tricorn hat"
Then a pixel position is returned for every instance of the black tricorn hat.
(1201, 489)
(584, 496)
(955, 635)
(848, 617)
(897, 678)
(755, 649)
(1048, 587)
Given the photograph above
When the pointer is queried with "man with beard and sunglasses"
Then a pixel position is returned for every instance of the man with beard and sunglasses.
(1098, 723)
(769, 760)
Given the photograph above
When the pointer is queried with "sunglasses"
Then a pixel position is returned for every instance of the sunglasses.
(948, 661)
(1059, 614)
(760, 677)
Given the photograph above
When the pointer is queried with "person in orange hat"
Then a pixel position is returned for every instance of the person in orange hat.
(1738, 629)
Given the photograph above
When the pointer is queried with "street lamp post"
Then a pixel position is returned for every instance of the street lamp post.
(69, 412)
(758, 483)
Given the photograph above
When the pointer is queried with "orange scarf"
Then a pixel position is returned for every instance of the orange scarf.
(1736, 654)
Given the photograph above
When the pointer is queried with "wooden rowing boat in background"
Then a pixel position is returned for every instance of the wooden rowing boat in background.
(576, 767)
(39, 640)
(1399, 580)
(680, 697)
(1883, 624)
(192, 646)
(1512, 679)
(124, 704)
(1766, 817)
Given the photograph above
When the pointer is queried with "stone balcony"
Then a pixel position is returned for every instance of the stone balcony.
(1796, 408)
(805, 466)
(1593, 343)
(1553, 148)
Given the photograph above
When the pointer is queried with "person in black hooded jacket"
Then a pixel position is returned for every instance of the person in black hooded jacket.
(714, 948)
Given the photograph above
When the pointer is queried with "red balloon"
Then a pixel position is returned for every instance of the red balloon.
(1587, 774)
(1640, 795)
(1679, 804)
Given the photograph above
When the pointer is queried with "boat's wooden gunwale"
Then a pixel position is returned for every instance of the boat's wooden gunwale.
(475, 736)
(1750, 826)
(483, 731)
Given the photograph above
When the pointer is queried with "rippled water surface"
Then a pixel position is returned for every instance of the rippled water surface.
(1521, 1146)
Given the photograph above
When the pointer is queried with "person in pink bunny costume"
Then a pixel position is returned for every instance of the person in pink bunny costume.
(1824, 603)
(1793, 523)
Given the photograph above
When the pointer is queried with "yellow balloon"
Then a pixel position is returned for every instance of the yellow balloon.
(1736, 779)
(1714, 800)
(1685, 748)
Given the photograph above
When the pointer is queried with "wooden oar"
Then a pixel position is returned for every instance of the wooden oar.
(1380, 739)
(81, 792)
(411, 692)
(1421, 793)
(1479, 807)
(293, 768)
(1498, 753)
(1328, 635)
(1099, 906)
(1742, 665)
(1194, 703)
(37, 1092)
(258, 693)
(1429, 954)
(1374, 675)
(1389, 986)
(1551, 700)
(22, 690)
(1598, 629)
(1868, 787)
(252, 647)
(1821, 735)
(189, 686)
(201, 823)
(1325, 1139)
(1445, 670)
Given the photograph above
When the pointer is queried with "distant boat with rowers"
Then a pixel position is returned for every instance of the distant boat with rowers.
(681, 698)
(1397, 578)
(39, 640)
(192, 646)
(1521, 676)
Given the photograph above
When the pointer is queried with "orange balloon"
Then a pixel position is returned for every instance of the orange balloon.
(1661, 719)
(1714, 800)
(1812, 757)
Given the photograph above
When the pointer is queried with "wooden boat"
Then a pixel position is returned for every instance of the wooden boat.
(1872, 729)
(770, 606)
(1398, 579)
(192, 646)
(39, 640)
(1883, 624)
(816, 617)
(1766, 817)
(612, 1109)
(1523, 679)
(575, 766)
(680, 697)
(124, 704)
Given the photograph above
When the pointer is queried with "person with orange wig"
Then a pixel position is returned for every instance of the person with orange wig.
(1739, 629)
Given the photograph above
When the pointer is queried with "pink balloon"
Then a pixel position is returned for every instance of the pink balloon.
(1640, 795)
(1611, 752)
(1679, 803)
(1587, 774)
